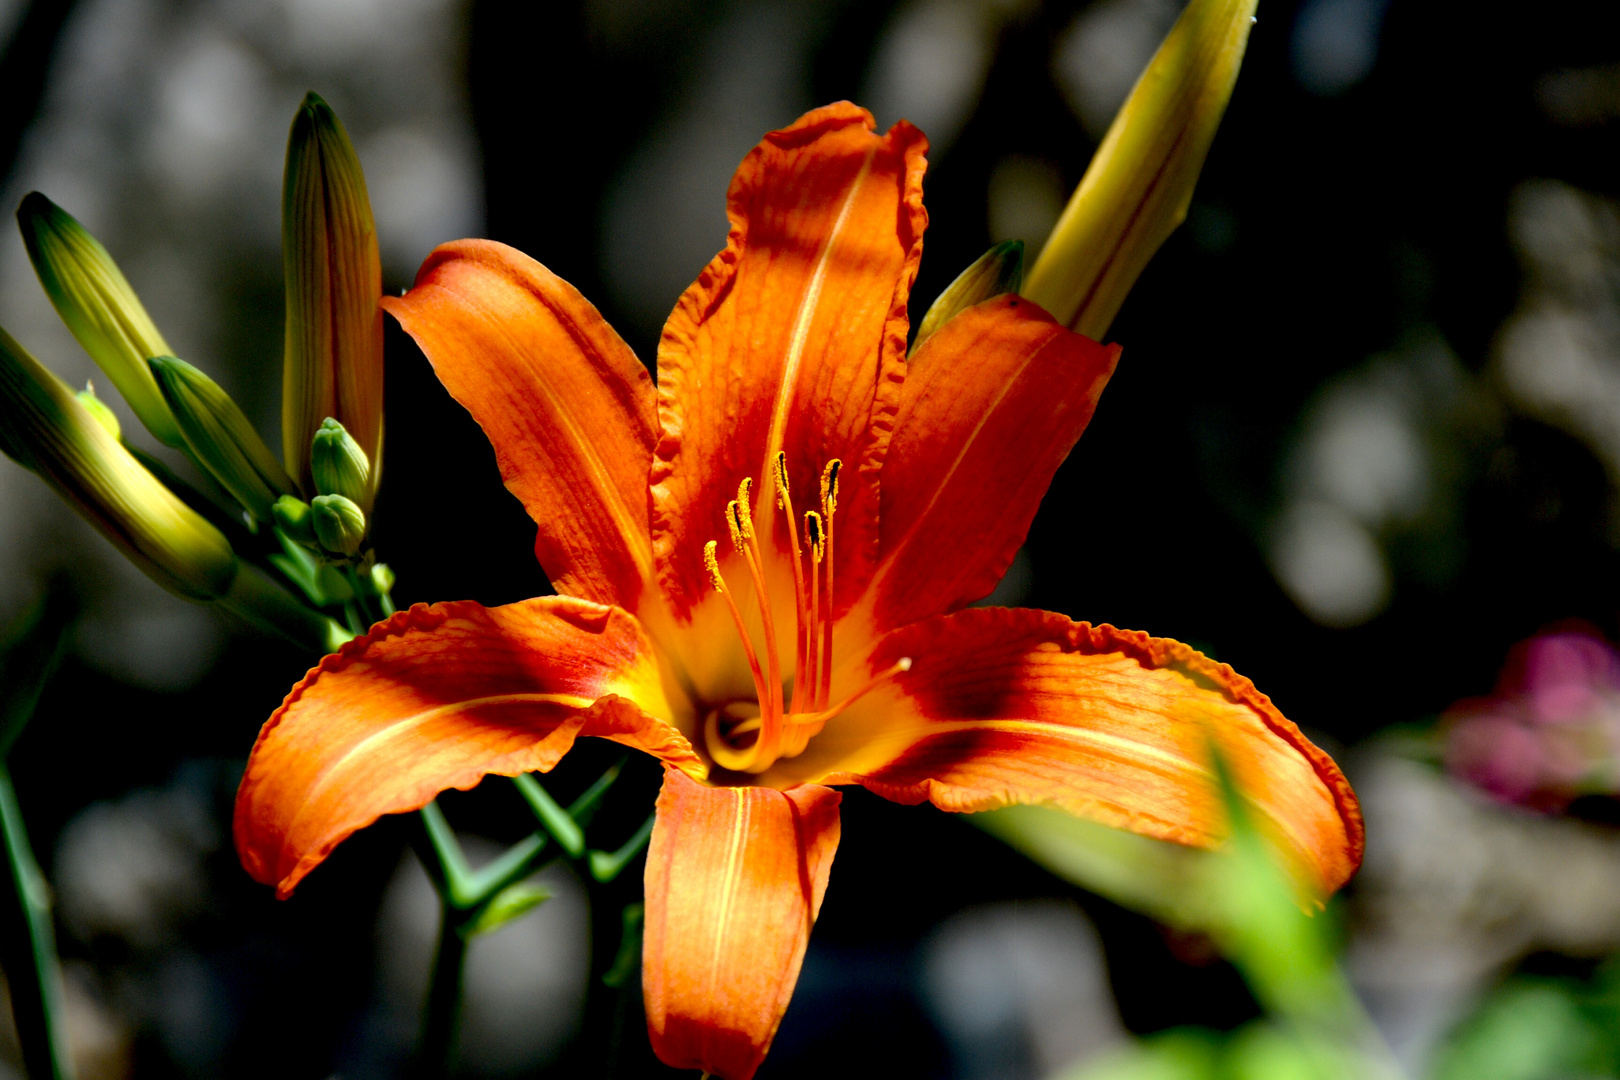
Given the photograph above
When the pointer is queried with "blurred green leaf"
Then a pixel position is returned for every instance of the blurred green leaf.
(1530, 1030)
(1182, 1054)
(510, 903)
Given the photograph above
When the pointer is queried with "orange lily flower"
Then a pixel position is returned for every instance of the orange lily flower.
(764, 566)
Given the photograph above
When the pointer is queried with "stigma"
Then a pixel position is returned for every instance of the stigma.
(737, 737)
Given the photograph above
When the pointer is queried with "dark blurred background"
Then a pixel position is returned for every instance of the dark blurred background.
(1365, 435)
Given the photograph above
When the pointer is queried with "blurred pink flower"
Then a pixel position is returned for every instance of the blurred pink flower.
(1551, 731)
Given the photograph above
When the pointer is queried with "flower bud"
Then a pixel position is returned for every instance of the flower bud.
(45, 427)
(1140, 181)
(293, 516)
(98, 409)
(220, 436)
(334, 282)
(999, 270)
(338, 464)
(340, 525)
(94, 299)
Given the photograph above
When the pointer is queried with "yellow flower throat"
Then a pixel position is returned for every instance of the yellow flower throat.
(736, 738)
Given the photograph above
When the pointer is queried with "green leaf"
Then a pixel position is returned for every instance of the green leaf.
(510, 903)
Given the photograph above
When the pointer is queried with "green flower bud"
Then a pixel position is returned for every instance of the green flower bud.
(334, 362)
(340, 525)
(98, 409)
(999, 270)
(45, 427)
(293, 516)
(338, 464)
(1140, 181)
(220, 436)
(94, 299)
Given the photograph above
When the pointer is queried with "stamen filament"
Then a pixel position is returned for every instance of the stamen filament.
(801, 668)
(829, 506)
(814, 535)
(770, 703)
(712, 562)
(898, 667)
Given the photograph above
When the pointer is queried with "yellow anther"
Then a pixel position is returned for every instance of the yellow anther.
(711, 562)
(829, 487)
(734, 521)
(744, 512)
(813, 534)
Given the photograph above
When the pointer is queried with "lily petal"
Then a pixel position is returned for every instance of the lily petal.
(1005, 706)
(566, 404)
(735, 877)
(793, 338)
(435, 698)
(992, 404)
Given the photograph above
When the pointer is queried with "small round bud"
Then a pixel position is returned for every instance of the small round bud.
(340, 525)
(293, 516)
(338, 464)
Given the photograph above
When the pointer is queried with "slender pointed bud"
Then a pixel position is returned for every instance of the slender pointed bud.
(1140, 182)
(340, 525)
(45, 427)
(293, 516)
(94, 299)
(999, 270)
(334, 360)
(220, 436)
(338, 464)
(98, 409)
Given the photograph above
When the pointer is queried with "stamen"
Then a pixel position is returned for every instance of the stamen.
(812, 658)
(899, 667)
(801, 668)
(712, 562)
(770, 702)
(829, 506)
(744, 504)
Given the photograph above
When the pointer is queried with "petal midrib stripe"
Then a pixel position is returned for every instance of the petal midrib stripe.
(635, 536)
(396, 728)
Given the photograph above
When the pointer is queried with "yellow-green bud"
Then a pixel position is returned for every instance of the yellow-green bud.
(340, 525)
(999, 270)
(338, 464)
(45, 427)
(293, 516)
(1140, 181)
(94, 299)
(220, 436)
(382, 578)
(334, 362)
(98, 409)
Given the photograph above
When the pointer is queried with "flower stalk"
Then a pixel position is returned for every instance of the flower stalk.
(27, 937)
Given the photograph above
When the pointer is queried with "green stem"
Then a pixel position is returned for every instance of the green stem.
(442, 1021)
(28, 949)
(262, 602)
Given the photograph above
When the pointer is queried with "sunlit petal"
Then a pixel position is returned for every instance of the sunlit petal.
(735, 878)
(793, 338)
(435, 698)
(565, 402)
(1006, 706)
